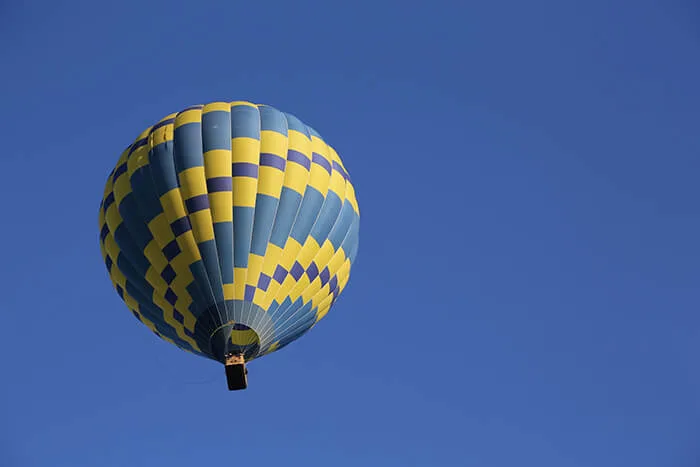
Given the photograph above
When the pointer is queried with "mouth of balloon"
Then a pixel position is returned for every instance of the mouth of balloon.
(234, 338)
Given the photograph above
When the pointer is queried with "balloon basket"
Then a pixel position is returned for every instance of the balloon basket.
(236, 373)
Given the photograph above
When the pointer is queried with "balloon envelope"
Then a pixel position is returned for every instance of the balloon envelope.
(229, 228)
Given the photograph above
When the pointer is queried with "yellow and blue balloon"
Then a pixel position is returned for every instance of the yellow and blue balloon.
(229, 229)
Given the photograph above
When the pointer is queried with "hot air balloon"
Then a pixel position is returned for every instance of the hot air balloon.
(229, 229)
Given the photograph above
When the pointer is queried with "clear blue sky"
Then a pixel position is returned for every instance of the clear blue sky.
(526, 291)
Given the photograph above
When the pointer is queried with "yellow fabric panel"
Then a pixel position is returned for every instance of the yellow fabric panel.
(299, 142)
(154, 255)
(259, 297)
(308, 252)
(270, 181)
(269, 295)
(255, 263)
(287, 286)
(245, 150)
(172, 204)
(202, 226)
(318, 295)
(216, 106)
(318, 145)
(122, 187)
(228, 291)
(113, 217)
(272, 256)
(138, 159)
(333, 155)
(237, 103)
(221, 206)
(297, 288)
(159, 285)
(272, 142)
(337, 184)
(161, 135)
(188, 116)
(319, 179)
(245, 190)
(352, 199)
(290, 253)
(239, 275)
(192, 182)
(336, 262)
(160, 229)
(217, 163)
(247, 337)
(343, 275)
(324, 308)
(324, 255)
(188, 247)
(296, 177)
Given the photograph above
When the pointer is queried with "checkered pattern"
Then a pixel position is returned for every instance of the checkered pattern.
(229, 226)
